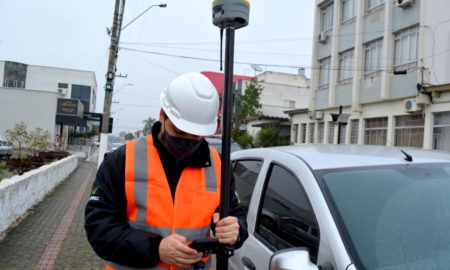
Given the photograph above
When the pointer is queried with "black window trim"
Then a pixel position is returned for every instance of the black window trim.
(266, 182)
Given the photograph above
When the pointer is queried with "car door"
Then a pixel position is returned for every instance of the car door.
(280, 216)
(245, 172)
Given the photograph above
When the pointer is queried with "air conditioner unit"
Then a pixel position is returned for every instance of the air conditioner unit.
(404, 3)
(62, 91)
(323, 37)
(319, 115)
(411, 105)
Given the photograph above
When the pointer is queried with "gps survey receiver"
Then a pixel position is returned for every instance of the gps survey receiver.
(231, 13)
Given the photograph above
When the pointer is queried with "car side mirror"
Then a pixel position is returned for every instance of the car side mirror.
(292, 259)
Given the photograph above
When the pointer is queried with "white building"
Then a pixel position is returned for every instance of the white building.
(30, 93)
(360, 50)
(281, 92)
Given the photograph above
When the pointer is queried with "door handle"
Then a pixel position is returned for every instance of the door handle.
(248, 263)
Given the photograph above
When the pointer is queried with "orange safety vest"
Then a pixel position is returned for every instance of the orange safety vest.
(149, 201)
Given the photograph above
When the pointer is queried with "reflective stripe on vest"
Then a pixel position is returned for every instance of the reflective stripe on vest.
(149, 200)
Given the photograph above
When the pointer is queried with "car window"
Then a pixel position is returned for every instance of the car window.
(285, 218)
(245, 175)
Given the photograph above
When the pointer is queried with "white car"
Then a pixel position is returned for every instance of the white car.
(344, 207)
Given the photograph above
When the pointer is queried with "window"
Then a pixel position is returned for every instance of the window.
(14, 75)
(345, 66)
(373, 58)
(83, 93)
(348, 10)
(409, 130)
(327, 17)
(441, 131)
(330, 132)
(295, 133)
(354, 131)
(376, 131)
(371, 4)
(320, 131)
(245, 175)
(343, 134)
(324, 72)
(303, 137)
(406, 48)
(286, 218)
(312, 126)
(63, 85)
(289, 103)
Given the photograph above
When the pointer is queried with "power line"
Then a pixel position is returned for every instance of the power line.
(215, 51)
(263, 64)
(243, 63)
(259, 41)
(206, 59)
(152, 63)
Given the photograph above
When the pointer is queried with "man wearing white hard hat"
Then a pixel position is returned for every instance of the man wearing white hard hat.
(154, 196)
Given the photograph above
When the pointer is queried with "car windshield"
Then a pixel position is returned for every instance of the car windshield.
(393, 217)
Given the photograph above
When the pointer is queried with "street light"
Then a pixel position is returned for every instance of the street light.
(160, 5)
(121, 87)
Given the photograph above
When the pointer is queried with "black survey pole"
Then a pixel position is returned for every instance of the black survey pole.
(229, 15)
(339, 126)
(222, 256)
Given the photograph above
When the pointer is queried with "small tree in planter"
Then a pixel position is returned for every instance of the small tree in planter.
(39, 140)
(18, 137)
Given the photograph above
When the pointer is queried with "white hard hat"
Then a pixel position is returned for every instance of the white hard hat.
(191, 102)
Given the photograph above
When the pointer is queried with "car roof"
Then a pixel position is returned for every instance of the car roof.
(326, 156)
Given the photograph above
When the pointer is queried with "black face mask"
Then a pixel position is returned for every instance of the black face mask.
(180, 148)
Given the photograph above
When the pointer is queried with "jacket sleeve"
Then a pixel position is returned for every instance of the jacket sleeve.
(106, 223)
(238, 211)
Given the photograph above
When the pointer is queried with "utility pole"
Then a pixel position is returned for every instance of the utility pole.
(110, 75)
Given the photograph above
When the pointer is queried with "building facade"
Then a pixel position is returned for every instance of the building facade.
(387, 63)
(281, 92)
(30, 94)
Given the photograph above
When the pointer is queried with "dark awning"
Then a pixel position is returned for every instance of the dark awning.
(70, 120)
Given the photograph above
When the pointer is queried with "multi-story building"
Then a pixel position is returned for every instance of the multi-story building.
(387, 63)
(281, 92)
(32, 94)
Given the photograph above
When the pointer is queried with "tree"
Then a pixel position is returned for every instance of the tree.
(148, 123)
(242, 138)
(129, 136)
(18, 136)
(122, 134)
(248, 103)
(39, 140)
(270, 136)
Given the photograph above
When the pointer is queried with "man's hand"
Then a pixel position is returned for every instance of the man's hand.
(173, 250)
(227, 229)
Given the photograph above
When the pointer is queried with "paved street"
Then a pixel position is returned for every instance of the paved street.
(52, 235)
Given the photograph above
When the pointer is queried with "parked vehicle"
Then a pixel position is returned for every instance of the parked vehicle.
(344, 207)
(5, 150)
(216, 142)
(116, 145)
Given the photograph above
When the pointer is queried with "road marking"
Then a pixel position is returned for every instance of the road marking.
(48, 258)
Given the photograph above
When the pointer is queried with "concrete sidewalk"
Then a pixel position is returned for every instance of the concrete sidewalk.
(52, 235)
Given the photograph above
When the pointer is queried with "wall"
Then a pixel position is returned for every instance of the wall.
(35, 109)
(435, 41)
(47, 79)
(21, 192)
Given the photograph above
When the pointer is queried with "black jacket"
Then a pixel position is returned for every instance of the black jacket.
(106, 223)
